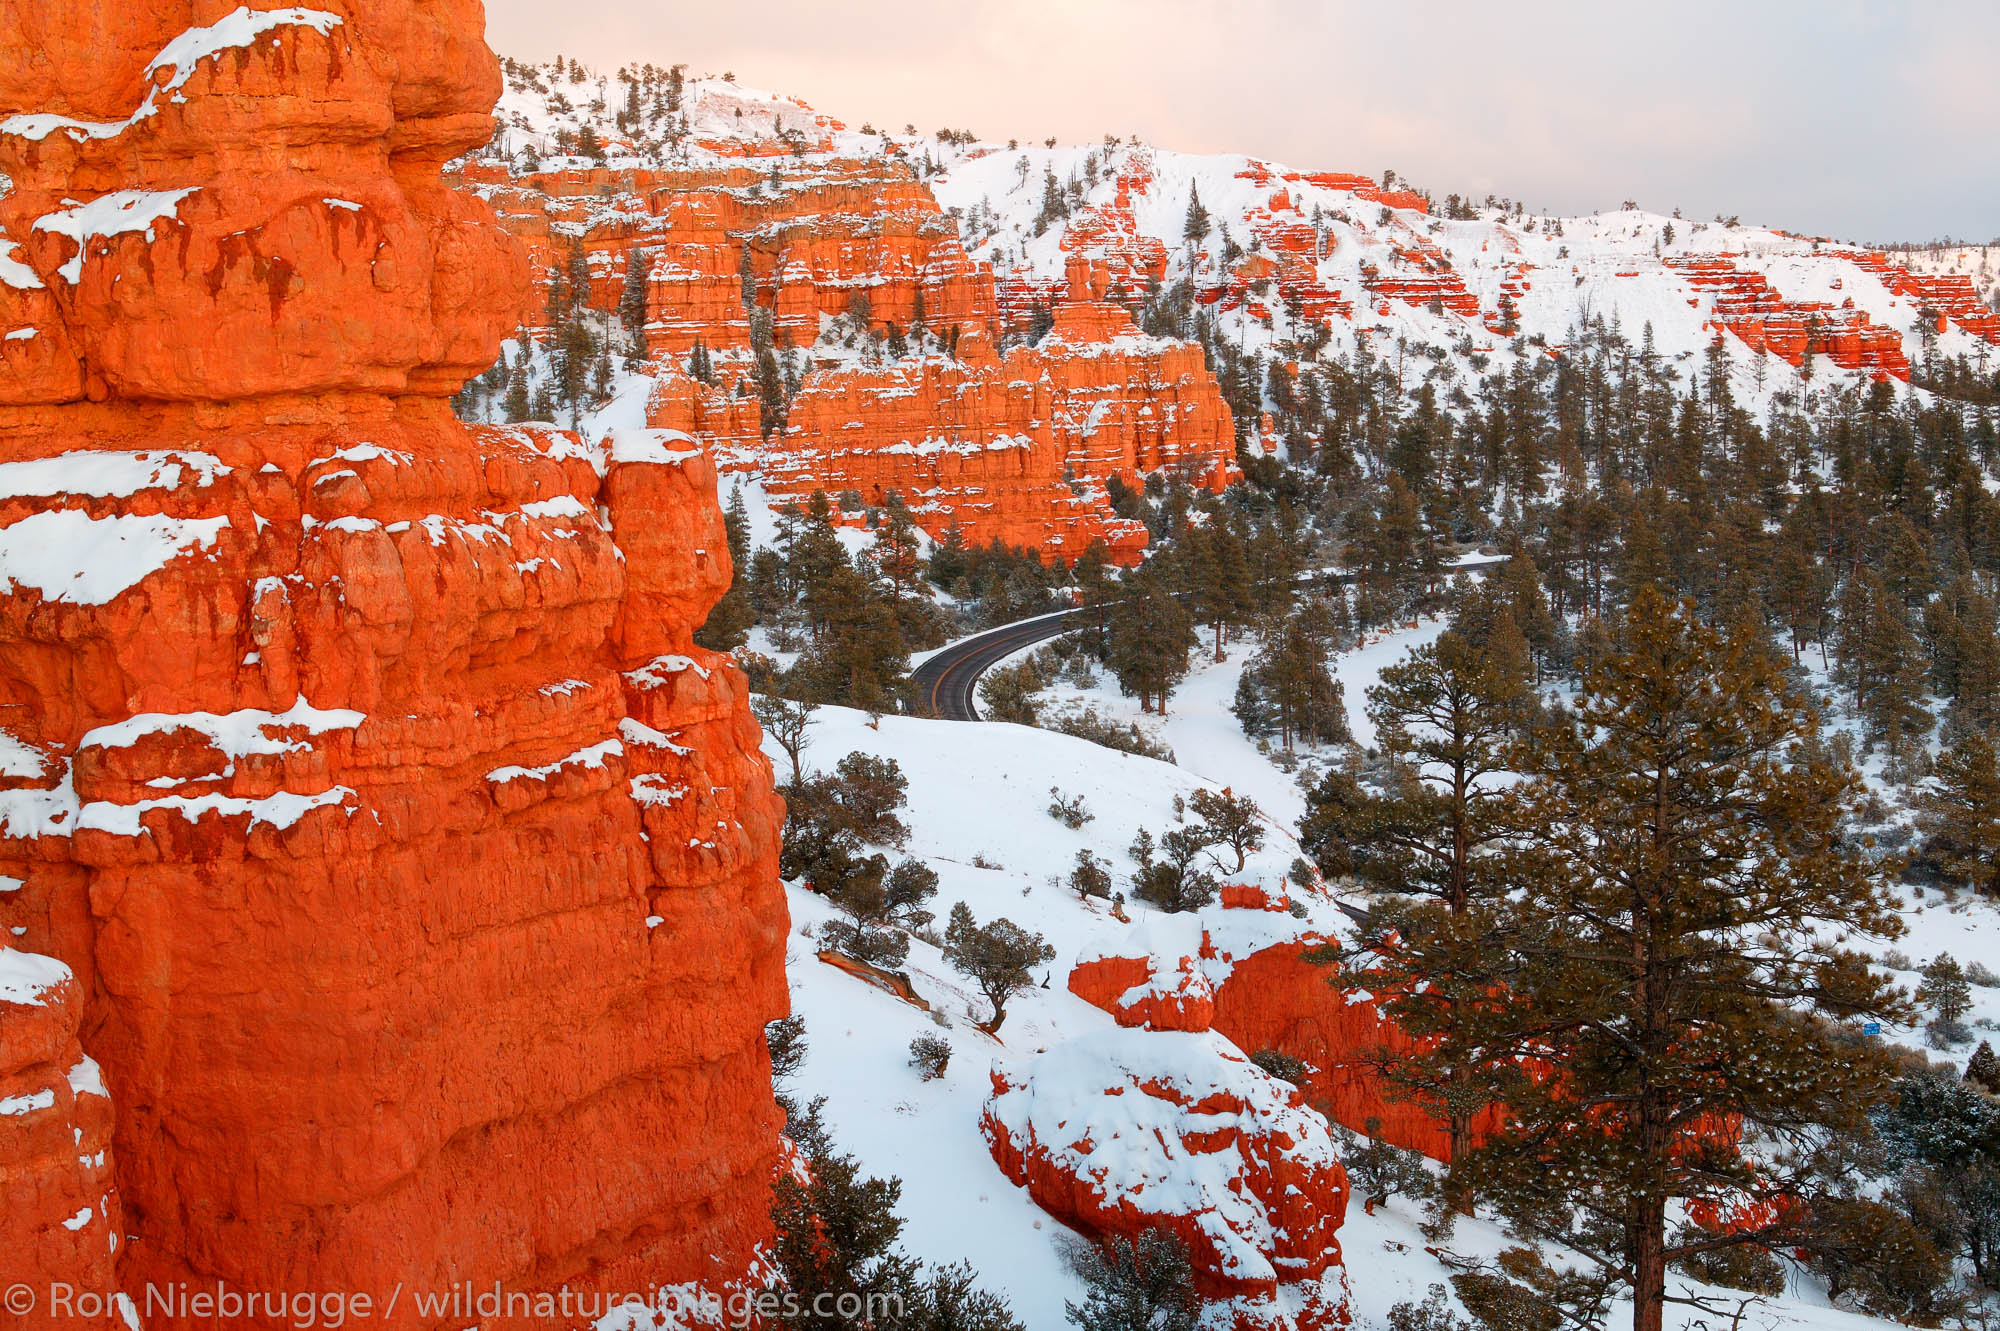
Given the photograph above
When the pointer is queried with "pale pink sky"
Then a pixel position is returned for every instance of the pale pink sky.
(1874, 121)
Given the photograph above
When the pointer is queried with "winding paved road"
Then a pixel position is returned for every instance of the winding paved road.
(948, 681)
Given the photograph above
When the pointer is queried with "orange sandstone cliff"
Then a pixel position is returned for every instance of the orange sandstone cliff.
(367, 815)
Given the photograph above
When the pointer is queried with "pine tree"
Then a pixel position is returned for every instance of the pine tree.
(517, 403)
(949, 558)
(1446, 718)
(1959, 814)
(1055, 204)
(835, 1231)
(1679, 885)
(632, 305)
(836, 1255)
(1983, 1069)
(996, 956)
(894, 550)
(1797, 585)
(1151, 634)
(1195, 226)
(575, 357)
(1290, 680)
(1137, 1284)
(1882, 662)
(1945, 990)
(731, 618)
(858, 657)
(1096, 589)
(628, 119)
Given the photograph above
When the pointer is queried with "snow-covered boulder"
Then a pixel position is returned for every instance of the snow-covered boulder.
(1123, 1131)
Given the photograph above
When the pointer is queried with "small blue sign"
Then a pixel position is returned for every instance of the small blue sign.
(1871, 1028)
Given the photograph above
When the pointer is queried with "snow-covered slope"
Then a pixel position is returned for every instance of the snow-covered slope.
(1405, 282)
(978, 793)
(1299, 261)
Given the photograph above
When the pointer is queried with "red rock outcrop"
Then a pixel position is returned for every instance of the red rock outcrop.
(1423, 276)
(1014, 447)
(1745, 303)
(816, 237)
(1242, 972)
(418, 875)
(1952, 295)
(1126, 1131)
(1104, 236)
(62, 1218)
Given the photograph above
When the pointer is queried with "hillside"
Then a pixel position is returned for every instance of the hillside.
(1034, 247)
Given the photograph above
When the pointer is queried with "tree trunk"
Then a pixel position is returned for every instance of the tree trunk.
(1649, 1264)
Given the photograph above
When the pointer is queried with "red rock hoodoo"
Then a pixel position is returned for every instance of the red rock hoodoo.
(414, 873)
(1016, 446)
(1745, 303)
(1126, 1131)
(63, 1216)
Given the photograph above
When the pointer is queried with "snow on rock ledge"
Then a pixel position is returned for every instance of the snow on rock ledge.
(1165, 975)
(1242, 971)
(1124, 1131)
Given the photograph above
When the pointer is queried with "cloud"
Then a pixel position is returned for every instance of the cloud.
(1843, 118)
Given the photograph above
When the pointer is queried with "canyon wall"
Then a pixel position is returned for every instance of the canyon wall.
(367, 814)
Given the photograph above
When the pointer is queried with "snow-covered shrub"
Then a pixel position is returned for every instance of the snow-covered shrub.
(1435, 1313)
(930, 1055)
(1069, 810)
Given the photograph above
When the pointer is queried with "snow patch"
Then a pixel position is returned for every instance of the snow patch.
(179, 58)
(117, 213)
(238, 734)
(592, 756)
(86, 1078)
(664, 447)
(26, 976)
(105, 475)
(13, 272)
(72, 557)
(278, 811)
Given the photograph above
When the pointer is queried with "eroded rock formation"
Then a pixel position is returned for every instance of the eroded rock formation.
(1127, 1131)
(63, 1216)
(416, 873)
(1016, 446)
(1242, 972)
(1743, 302)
